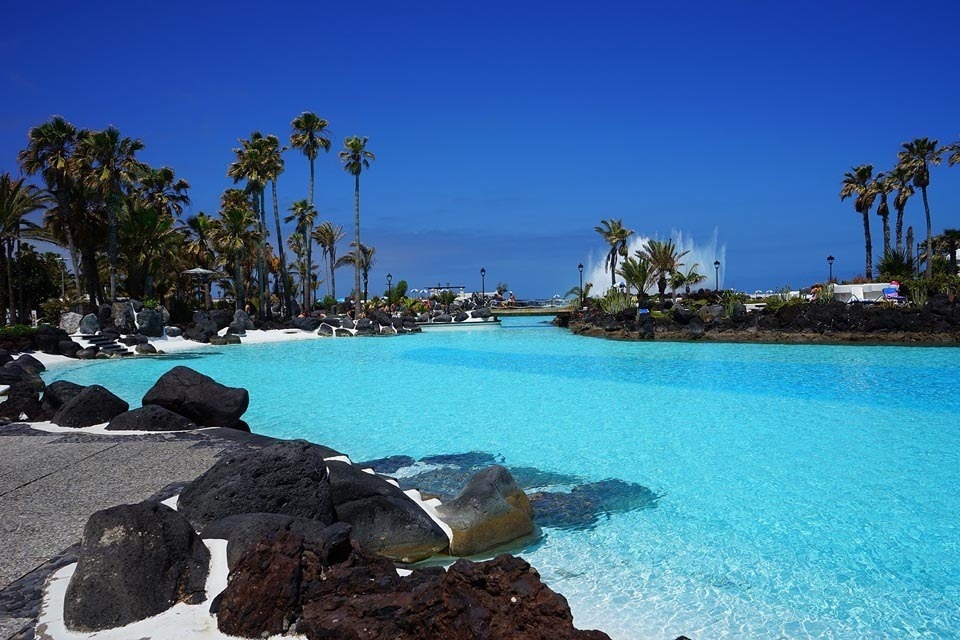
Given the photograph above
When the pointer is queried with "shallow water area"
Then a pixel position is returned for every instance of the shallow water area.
(803, 491)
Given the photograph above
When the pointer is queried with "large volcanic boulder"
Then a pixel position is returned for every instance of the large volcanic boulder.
(151, 417)
(482, 312)
(124, 318)
(58, 393)
(150, 323)
(306, 324)
(242, 530)
(70, 322)
(49, 338)
(22, 402)
(135, 562)
(384, 519)
(490, 511)
(89, 325)
(199, 398)
(204, 327)
(93, 405)
(289, 477)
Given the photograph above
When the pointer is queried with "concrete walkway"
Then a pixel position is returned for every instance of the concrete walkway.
(50, 484)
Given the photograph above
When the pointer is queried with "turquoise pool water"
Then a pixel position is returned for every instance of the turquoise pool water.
(805, 491)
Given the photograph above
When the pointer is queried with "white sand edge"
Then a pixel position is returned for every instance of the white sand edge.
(180, 344)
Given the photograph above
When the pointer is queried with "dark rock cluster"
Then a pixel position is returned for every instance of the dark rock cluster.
(937, 322)
(289, 583)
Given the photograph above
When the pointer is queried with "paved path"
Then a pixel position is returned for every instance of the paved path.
(51, 483)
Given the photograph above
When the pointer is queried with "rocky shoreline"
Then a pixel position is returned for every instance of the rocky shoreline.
(937, 323)
(305, 530)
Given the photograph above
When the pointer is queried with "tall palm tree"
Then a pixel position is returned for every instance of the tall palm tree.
(17, 200)
(858, 182)
(664, 259)
(638, 273)
(328, 235)
(111, 165)
(49, 152)
(916, 158)
(899, 181)
(273, 164)
(362, 260)
(355, 159)
(310, 135)
(882, 185)
(161, 189)
(147, 232)
(305, 214)
(616, 235)
(251, 166)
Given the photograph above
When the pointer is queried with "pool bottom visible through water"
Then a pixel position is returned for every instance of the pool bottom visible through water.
(800, 491)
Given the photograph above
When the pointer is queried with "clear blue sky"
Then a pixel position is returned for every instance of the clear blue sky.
(504, 131)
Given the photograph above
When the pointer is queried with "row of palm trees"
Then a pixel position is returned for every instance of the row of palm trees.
(100, 199)
(911, 172)
(655, 263)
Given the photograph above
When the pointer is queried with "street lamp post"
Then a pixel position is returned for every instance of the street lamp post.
(580, 269)
(389, 288)
(716, 267)
(483, 286)
(830, 262)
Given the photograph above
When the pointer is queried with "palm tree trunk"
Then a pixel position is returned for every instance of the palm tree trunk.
(886, 234)
(869, 245)
(356, 263)
(71, 246)
(928, 256)
(112, 222)
(23, 307)
(662, 286)
(8, 252)
(900, 230)
(333, 278)
(613, 268)
(285, 284)
(262, 265)
(238, 284)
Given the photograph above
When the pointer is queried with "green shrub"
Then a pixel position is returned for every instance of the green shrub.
(17, 331)
(614, 302)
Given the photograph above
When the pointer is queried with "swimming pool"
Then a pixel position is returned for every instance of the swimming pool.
(803, 491)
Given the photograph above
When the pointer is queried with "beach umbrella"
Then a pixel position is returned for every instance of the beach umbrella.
(201, 275)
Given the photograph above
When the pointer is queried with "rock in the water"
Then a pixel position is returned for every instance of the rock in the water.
(490, 511)
(198, 397)
(58, 393)
(695, 328)
(223, 340)
(150, 323)
(93, 405)
(289, 478)
(325, 330)
(135, 561)
(384, 519)
(89, 325)
(146, 348)
(70, 322)
(151, 417)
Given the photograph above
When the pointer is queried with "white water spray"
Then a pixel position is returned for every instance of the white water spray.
(701, 255)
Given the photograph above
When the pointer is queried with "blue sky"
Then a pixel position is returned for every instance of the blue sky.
(504, 132)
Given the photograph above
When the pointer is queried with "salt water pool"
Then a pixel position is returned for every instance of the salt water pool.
(803, 491)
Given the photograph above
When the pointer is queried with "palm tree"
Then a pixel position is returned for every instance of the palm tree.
(161, 189)
(111, 164)
(616, 235)
(328, 235)
(638, 273)
(916, 158)
(147, 233)
(883, 186)
(664, 259)
(899, 181)
(305, 214)
(858, 181)
(236, 235)
(199, 231)
(273, 165)
(692, 278)
(310, 135)
(355, 159)
(362, 261)
(251, 166)
(50, 150)
(17, 200)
